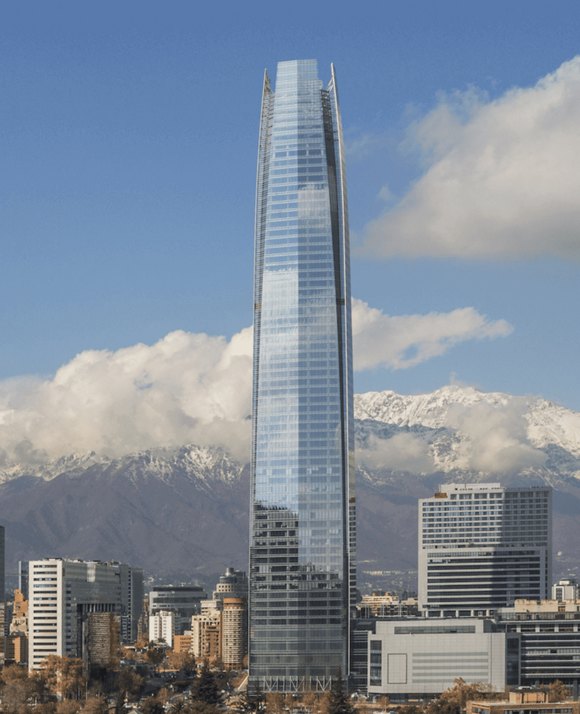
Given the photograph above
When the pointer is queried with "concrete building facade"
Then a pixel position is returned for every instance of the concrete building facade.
(419, 657)
(183, 600)
(162, 627)
(62, 596)
(482, 546)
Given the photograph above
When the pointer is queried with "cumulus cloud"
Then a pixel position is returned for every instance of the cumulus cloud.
(401, 452)
(475, 432)
(184, 388)
(188, 388)
(399, 342)
(502, 177)
(496, 437)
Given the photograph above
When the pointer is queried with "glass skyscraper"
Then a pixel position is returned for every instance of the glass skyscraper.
(303, 509)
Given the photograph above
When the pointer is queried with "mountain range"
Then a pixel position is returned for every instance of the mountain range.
(182, 513)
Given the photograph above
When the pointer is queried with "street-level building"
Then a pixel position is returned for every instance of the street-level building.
(548, 633)
(523, 702)
(565, 589)
(418, 657)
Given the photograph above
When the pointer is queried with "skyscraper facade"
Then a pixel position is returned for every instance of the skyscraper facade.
(482, 546)
(302, 515)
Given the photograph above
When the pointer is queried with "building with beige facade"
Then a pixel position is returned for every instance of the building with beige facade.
(524, 702)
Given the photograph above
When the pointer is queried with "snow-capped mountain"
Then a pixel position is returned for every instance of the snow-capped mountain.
(183, 512)
(548, 423)
(459, 425)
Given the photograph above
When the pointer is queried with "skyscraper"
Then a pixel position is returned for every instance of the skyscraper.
(482, 546)
(302, 537)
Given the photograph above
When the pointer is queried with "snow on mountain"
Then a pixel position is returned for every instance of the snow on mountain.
(455, 428)
(184, 511)
(195, 463)
(464, 429)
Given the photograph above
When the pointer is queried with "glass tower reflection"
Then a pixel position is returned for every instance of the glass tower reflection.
(303, 510)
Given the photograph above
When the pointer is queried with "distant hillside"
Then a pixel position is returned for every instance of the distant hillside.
(183, 513)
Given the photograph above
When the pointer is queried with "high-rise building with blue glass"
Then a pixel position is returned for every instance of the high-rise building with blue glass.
(303, 509)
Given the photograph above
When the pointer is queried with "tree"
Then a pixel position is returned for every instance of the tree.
(206, 687)
(409, 709)
(129, 682)
(21, 690)
(198, 707)
(68, 706)
(275, 703)
(95, 705)
(557, 691)
(181, 661)
(64, 676)
(454, 699)
(152, 705)
(155, 655)
(336, 701)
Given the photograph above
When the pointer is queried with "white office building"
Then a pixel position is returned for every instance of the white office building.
(419, 657)
(565, 589)
(62, 596)
(482, 546)
(162, 627)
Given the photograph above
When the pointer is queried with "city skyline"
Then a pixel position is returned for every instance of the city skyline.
(120, 137)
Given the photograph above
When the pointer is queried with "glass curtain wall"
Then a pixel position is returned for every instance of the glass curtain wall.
(302, 516)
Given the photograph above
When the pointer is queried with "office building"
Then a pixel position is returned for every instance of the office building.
(102, 639)
(131, 581)
(482, 546)
(183, 600)
(232, 583)
(565, 589)
(548, 633)
(206, 632)
(302, 529)
(23, 577)
(162, 627)
(63, 595)
(419, 657)
(233, 633)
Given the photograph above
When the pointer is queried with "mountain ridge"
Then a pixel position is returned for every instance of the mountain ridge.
(182, 513)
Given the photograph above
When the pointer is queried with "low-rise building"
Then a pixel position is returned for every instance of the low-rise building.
(565, 589)
(524, 702)
(548, 636)
(182, 643)
(420, 657)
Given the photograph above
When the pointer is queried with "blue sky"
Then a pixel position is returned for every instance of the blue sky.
(128, 143)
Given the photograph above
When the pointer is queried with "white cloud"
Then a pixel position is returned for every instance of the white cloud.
(401, 452)
(184, 388)
(187, 388)
(404, 341)
(502, 181)
(496, 437)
